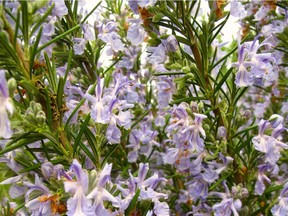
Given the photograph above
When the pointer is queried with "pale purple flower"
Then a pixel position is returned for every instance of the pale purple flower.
(9, 160)
(237, 9)
(146, 3)
(228, 205)
(141, 141)
(243, 77)
(158, 55)
(100, 194)
(198, 187)
(98, 112)
(47, 169)
(254, 67)
(59, 9)
(275, 120)
(261, 13)
(6, 105)
(262, 178)
(170, 156)
(171, 44)
(284, 108)
(221, 133)
(108, 109)
(86, 202)
(225, 208)
(146, 187)
(38, 205)
(201, 210)
(113, 40)
(269, 144)
(79, 45)
(79, 204)
(161, 209)
(133, 4)
(282, 207)
(88, 32)
(49, 28)
(135, 34)
(129, 59)
(15, 189)
(196, 142)
(113, 133)
(165, 89)
(259, 109)
(186, 132)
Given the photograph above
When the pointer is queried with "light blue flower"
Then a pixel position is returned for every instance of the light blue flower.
(281, 208)
(79, 204)
(59, 8)
(135, 34)
(6, 105)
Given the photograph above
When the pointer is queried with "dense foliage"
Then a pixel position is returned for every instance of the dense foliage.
(143, 108)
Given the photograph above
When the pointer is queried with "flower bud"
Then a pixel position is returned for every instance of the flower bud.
(30, 113)
(171, 44)
(206, 127)
(200, 106)
(12, 85)
(244, 192)
(222, 132)
(186, 69)
(41, 117)
(275, 120)
(194, 107)
(238, 118)
(247, 114)
(190, 76)
(238, 204)
(37, 107)
(47, 169)
(57, 170)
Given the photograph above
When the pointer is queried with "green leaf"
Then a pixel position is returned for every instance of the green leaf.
(58, 37)
(220, 27)
(41, 19)
(34, 50)
(239, 94)
(87, 152)
(60, 92)
(31, 89)
(52, 77)
(25, 21)
(87, 16)
(133, 203)
(30, 168)
(109, 154)
(224, 78)
(17, 27)
(4, 42)
(79, 136)
(245, 130)
(157, 17)
(168, 73)
(223, 58)
(92, 143)
(21, 143)
(225, 176)
(56, 144)
(189, 99)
